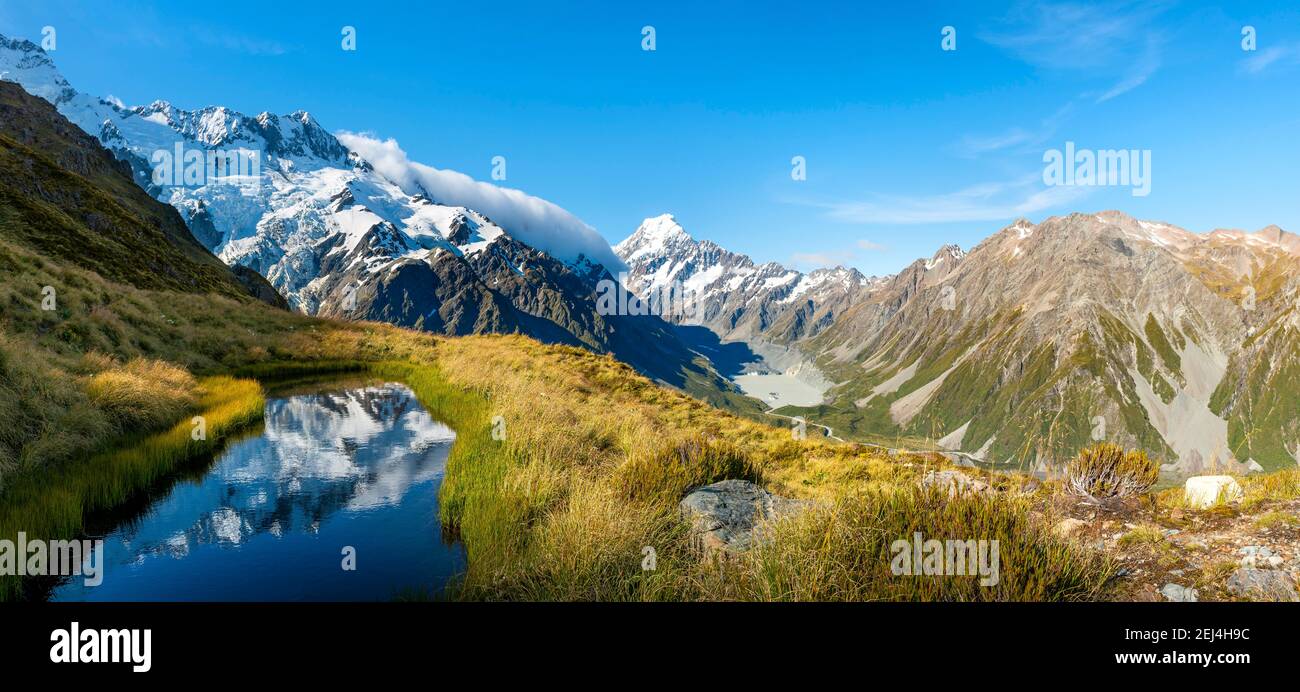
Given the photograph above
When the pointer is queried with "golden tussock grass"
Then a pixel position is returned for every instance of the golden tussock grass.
(142, 394)
(591, 463)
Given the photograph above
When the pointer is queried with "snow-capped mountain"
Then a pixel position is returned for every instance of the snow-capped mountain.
(337, 237)
(1038, 341)
(727, 292)
(311, 197)
(105, 222)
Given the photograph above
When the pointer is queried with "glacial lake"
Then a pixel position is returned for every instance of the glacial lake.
(777, 390)
(334, 468)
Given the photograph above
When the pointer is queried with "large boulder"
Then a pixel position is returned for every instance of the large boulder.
(1263, 584)
(728, 515)
(1202, 492)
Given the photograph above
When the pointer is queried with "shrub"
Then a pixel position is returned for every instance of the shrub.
(1105, 471)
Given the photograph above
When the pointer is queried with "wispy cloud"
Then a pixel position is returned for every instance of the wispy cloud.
(1141, 70)
(1016, 138)
(805, 261)
(1285, 54)
(1116, 41)
(985, 202)
(971, 146)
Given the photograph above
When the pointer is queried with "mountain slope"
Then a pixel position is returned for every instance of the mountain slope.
(65, 196)
(1042, 339)
(339, 238)
(1079, 328)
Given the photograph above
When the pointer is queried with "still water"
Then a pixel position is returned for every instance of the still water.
(335, 470)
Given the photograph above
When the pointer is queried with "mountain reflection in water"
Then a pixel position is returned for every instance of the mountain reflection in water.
(271, 518)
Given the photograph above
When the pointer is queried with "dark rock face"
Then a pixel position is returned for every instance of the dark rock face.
(200, 223)
(507, 288)
(258, 287)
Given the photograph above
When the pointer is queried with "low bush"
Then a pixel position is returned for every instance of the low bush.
(1105, 471)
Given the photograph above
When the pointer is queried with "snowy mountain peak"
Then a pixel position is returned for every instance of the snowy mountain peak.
(664, 225)
(158, 106)
(302, 207)
(734, 296)
(26, 63)
(655, 236)
(945, 258)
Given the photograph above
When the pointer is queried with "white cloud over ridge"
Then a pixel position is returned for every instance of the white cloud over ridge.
(535, 221)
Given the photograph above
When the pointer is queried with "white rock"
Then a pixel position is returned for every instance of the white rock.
(1180, 594)
(1206, 491)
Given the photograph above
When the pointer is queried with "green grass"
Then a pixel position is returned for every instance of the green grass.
(1277, 519)
(563, 509)
(54, 503)
(1168, 355)
(1145, 535)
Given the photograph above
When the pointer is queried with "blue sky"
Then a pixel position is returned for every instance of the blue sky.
(907, 146)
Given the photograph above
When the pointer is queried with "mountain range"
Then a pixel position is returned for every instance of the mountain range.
(69, 199)
(339, 238)
(1042, 338)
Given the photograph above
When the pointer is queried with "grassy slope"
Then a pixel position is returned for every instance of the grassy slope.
(593, 460)
(1044, 409)
(587, 474)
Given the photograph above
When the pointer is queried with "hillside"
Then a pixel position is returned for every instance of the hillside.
(68, 198)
